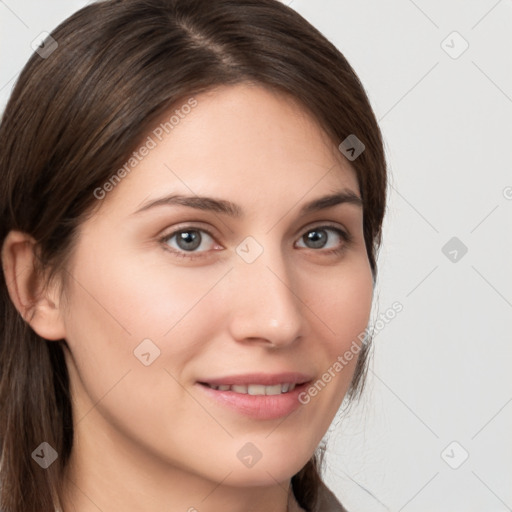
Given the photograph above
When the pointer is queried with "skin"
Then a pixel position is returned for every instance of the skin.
(146, 437)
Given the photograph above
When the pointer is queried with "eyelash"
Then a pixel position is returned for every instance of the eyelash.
(346, 237)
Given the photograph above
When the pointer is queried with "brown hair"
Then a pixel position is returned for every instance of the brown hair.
(71, 121)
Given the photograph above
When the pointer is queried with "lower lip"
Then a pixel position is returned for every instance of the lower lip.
(261, 407)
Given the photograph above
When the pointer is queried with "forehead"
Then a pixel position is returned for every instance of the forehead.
(243, 142)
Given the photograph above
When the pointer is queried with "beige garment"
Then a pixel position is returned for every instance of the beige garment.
(327, 502)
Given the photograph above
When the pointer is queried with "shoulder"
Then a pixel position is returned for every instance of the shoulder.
(327, 501)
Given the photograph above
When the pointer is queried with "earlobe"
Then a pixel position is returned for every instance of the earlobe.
(38, 305)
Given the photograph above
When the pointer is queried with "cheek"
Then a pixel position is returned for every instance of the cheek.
(146, 299)
(115, 304)
(341, 303)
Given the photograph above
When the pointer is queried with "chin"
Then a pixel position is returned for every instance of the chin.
(264, 477)
(277, 468)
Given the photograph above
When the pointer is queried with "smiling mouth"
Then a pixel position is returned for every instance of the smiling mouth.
(254, 389)
(258, 396)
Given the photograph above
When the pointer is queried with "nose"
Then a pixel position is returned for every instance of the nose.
(266, 306)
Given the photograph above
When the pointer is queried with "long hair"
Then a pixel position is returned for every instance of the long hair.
(75, 115)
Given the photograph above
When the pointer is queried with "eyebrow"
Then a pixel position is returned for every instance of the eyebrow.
(233, 210)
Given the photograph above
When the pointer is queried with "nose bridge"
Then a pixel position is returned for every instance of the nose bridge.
(265, 298)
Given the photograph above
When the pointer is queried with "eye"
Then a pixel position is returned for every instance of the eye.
(187, 240)
(318, 238)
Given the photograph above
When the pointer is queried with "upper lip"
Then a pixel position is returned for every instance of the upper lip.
(266, 379)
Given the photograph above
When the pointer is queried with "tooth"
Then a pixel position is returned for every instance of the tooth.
(255, 389)
(258, 389)
(273, 390)
(214, 387)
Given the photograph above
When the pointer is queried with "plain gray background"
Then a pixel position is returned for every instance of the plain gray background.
(440, 386)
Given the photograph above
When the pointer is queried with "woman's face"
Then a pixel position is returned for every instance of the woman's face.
(152, 316)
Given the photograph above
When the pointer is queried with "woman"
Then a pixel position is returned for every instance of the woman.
(192, 201)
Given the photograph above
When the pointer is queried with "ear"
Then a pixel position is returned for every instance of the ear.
(39, 306)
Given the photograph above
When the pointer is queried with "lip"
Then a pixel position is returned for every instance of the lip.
(260, 407)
